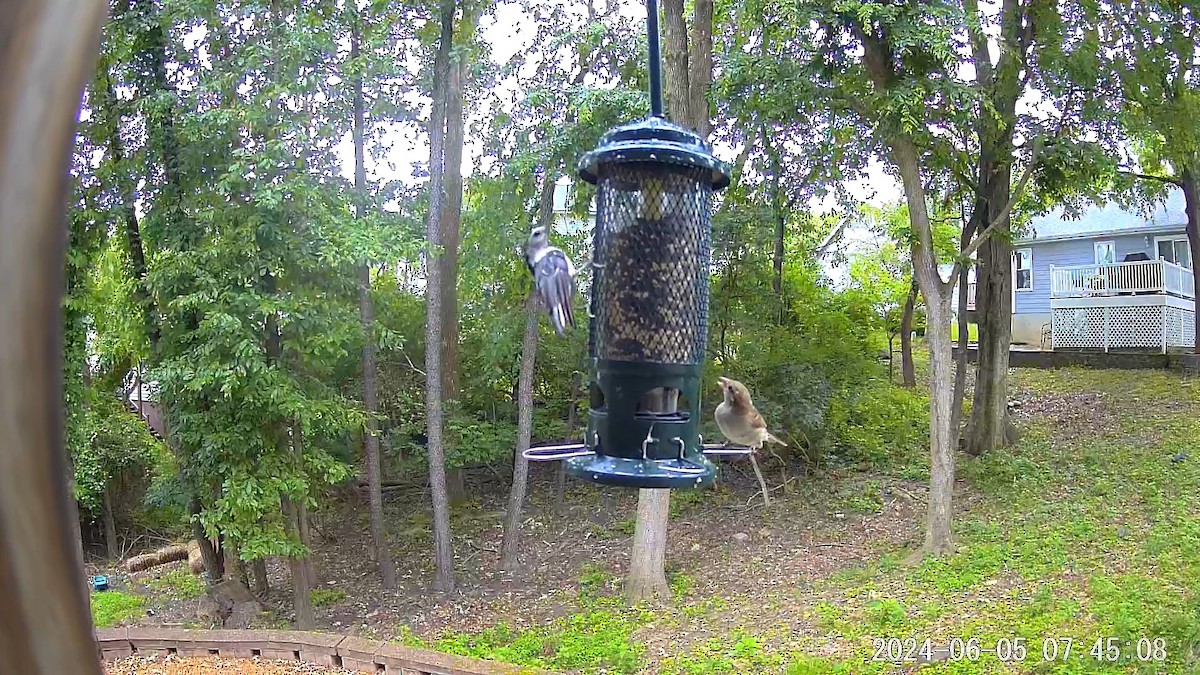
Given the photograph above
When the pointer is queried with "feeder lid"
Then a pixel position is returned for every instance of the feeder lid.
(653, 139)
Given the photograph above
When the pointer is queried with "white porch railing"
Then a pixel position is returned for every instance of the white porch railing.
(1142, 276)
(971, 294)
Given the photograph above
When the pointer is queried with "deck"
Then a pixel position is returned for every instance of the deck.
(1140, 304)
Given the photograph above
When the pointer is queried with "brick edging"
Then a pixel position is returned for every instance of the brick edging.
(325, 649)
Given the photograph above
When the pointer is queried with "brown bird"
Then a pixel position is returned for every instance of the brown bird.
(737, 418)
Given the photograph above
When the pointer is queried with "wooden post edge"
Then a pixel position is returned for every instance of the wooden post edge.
(325, 649)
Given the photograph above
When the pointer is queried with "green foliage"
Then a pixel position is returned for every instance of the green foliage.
(108, 439)
(180, 584)
(880, 425)
(111, 608)
(326, 597)
(593, 641)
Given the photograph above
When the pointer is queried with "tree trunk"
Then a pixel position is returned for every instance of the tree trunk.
(700, 66)
(451, 238)
(1191, 207)
(383, 555)
(675, 55)
(366, 315)
(516, 495)
(938, 536)
(989, 424)
(110, 526)
(443, 557)
(524, 397)
(212, 562)
(301, 588)
(993, 301)
(647, 576)
(907, 369)
(780, 225)
(258, 569)
(964, 338)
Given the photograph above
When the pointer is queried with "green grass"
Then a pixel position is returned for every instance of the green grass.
(180, 584)
(110, 608)
(596, 640)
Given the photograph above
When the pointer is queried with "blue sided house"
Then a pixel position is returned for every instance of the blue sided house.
(1112, 279)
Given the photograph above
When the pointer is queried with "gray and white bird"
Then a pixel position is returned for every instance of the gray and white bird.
(553, 279)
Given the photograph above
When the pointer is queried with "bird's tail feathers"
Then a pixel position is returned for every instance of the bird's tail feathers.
(771, 437)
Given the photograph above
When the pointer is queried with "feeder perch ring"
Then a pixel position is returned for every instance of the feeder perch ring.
(554, 453)
(713, 449)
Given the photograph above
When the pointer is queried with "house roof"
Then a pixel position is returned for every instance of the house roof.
(1107, 220)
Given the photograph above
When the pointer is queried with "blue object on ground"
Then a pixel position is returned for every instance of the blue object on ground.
(100, 583)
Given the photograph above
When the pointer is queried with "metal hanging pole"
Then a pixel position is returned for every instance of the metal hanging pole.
(656, 105)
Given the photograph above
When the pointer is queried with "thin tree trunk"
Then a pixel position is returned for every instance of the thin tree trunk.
(938, 536)
(907, 370)
(990, 427)
(302, 525)
(258, 569)
(938, 533)
(647, 576)
(516, 496)
(301, 590)
(451, 226)
(1191, 206)
(443, 557)
(780, 225)
(700, 66)
(960, 369)
(212, 562)
(366, 315)
(524, 397)
(110, 525)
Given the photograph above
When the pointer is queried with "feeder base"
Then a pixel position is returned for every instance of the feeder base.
(674, 474)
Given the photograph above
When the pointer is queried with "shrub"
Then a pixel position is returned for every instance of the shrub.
(880, 425)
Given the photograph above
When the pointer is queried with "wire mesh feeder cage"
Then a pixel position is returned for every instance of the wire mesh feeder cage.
(649, 306)
(648, 318)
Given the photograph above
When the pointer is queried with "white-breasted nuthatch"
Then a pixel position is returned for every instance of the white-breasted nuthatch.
(553, 279)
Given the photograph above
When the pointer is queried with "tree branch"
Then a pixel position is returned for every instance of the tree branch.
(1002, 219)
(1145, 176)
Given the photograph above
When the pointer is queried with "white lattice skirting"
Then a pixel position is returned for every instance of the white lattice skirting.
(1115, 327)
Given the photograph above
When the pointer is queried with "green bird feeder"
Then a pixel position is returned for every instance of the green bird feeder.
(648, 314)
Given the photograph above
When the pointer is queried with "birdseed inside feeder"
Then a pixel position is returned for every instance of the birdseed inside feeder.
(649, 305)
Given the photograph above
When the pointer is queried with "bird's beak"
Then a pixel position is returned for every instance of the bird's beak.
(723, 381)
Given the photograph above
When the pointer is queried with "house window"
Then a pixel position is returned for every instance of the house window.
(1106, 253)
(1174, 250)
(1023, 266)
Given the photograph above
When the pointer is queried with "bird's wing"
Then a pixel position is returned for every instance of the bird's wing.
(555, 286)
(755, 419)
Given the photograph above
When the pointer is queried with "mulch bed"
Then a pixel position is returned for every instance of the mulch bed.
(178, 665)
